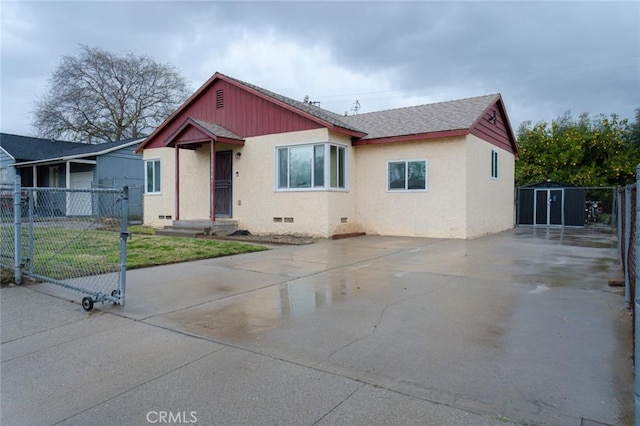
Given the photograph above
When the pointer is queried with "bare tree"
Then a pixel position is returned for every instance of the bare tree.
(98, 96)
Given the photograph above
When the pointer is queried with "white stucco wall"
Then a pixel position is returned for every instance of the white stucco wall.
(438, 212)
(195, 186)
(462, 200)
(489, 206)
(256, 202)
(163, 204)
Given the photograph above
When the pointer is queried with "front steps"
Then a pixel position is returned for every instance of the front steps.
(196, 228)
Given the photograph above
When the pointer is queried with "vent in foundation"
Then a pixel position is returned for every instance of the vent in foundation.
(168, 216)
(343, 220)
(277, 219)
(161, 216)
(288, 220)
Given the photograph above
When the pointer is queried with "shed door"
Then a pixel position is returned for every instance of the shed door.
(548, 206)
(555, 206)
(223, 184)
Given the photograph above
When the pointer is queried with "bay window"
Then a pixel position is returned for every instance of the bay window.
(313, 166)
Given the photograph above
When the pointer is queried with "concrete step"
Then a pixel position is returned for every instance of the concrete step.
(224, 227)
(193, 228)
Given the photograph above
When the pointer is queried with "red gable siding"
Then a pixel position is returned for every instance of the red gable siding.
(242, 112)
(192, 134)
(495, 130)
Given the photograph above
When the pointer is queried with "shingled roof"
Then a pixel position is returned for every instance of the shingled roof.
(443, 119)
(314, 110)
(216, 129)
(438, 117)
(26, 148)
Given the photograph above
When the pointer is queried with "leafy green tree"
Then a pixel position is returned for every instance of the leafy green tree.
(634, 130)
(587, 151)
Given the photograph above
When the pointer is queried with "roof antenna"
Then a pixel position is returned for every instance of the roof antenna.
(356, 107)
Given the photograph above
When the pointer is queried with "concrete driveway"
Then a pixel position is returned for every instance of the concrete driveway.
(518, 327)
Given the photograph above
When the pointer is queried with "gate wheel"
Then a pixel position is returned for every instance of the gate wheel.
(87, 303)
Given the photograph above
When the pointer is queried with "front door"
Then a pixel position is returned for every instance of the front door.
(223, 183)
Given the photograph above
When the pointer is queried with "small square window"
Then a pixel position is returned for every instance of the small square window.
(152, 177)
(407, 175)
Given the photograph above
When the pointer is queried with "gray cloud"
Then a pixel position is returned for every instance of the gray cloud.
(544, 57)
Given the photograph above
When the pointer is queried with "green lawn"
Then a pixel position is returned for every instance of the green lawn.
(149, 250)
(66, 253)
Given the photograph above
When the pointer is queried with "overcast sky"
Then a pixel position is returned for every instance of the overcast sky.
(545, 58)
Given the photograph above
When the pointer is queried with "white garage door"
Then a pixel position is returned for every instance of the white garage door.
(79, 203)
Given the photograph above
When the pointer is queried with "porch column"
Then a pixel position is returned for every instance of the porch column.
(177, 181)
(68, 174)
(212, 180)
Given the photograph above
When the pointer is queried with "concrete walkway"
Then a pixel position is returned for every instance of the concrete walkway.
(519, 327)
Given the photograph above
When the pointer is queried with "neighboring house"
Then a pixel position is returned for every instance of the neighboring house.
(47, 163)
(235, 151)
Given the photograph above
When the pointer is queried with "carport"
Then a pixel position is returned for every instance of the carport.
(550, 204)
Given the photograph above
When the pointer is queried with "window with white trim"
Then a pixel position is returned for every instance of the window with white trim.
(494, 164)
(407, 175)
(312, 166)
(152, 176)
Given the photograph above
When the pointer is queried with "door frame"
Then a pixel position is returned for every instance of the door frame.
(548, 206)
(213, 204)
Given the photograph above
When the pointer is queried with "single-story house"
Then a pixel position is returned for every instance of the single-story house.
(47, 163)
(235, 151)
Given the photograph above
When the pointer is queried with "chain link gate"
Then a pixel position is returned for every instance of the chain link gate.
(74, 238)
(7, 217)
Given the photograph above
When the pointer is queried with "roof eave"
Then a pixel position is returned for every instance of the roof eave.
(175, 113)
(498, 102)
(7, 152)
(170, 140)
(413, 137)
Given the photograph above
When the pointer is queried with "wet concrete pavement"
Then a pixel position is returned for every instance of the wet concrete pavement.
(517, 327)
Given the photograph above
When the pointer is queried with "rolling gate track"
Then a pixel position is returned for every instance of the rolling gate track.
(74, 238)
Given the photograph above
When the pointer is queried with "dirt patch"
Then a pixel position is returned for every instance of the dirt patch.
(6, 277)
(266, 239)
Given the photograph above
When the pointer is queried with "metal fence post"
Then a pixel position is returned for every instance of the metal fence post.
(636, 350)
(17, 230)
(124, 235)
(618, 216)
(627, 241)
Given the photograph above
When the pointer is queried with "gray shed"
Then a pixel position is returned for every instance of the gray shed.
(550, 203)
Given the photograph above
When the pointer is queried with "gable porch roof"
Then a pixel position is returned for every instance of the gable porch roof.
(194, 131)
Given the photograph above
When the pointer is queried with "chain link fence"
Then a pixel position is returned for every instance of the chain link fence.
(75, 238)
(628, 241)
(7, 217)
(136, 192)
